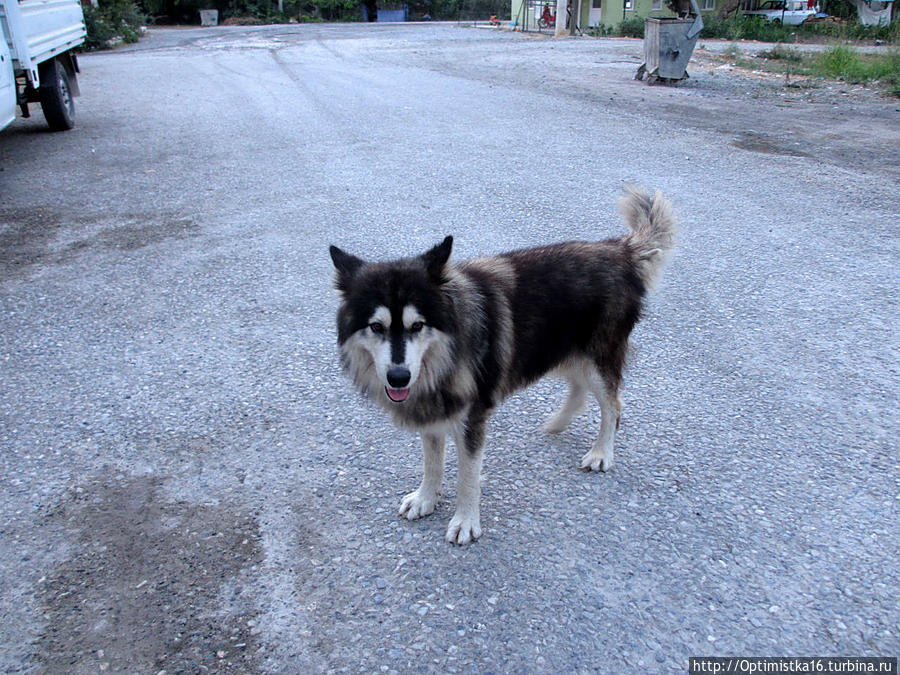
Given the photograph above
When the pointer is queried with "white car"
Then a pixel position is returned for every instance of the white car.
(789, 13)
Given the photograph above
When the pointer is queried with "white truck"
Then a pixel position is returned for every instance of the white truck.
(37, 63)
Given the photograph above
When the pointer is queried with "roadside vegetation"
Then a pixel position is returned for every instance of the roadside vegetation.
(112, 22)
(738, 27)
(115, 21)
(289, 11)
(839, 62)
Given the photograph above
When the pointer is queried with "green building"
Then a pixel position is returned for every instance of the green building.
(608, 13)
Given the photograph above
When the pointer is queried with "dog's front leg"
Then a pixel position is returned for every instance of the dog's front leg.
(465, 525)
(422, 501)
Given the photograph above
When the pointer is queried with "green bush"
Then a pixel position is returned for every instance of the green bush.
(111, 20)
(731, 28)
(633, 27)
(99, 31)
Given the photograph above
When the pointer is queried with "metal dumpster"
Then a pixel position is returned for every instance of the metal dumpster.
(668, 45)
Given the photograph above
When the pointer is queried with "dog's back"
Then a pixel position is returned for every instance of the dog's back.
(575, 299)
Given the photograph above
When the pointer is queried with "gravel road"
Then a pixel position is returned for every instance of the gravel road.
(191, 486)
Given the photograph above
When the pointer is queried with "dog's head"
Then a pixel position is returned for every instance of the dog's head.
(392, 322)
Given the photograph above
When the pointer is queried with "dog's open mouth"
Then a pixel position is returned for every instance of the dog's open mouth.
(397, 395)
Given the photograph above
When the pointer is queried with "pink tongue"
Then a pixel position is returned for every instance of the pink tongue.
(397, 394)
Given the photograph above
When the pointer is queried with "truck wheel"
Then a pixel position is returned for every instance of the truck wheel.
(56, 95)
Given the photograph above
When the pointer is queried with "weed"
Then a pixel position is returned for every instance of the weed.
(889, 34)
(732, 52)
(738, 27)
(778, 53)
(836, 63)
(844, 63)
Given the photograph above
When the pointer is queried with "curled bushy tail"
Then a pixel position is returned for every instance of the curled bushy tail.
(653, 230)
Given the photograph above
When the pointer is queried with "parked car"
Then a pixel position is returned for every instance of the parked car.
(789, 12)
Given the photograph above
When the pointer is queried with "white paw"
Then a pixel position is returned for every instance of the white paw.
(417, 504)
(463, 529)
(597, 460)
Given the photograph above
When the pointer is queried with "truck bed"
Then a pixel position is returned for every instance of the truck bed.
(40, 29)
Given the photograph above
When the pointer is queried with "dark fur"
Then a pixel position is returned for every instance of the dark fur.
(552, 318)
(509, 319)
(555, 319)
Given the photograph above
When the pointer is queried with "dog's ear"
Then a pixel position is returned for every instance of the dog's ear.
(436, 258)
(345, 264)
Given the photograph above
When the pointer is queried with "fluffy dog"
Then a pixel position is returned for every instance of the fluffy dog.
(439, 346)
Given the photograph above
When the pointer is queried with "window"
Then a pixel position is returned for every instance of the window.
(629, 5)
(657, 4)
(708, 5)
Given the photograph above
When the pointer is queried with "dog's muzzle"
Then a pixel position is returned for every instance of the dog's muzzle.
(398, 379)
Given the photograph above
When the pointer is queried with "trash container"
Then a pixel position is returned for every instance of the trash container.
(209, 17)
(668, 45)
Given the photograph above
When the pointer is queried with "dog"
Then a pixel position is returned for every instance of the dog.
(439, 345)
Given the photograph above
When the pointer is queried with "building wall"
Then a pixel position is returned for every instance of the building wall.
(613, 12)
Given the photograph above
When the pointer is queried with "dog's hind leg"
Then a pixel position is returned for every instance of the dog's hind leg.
(578, 387)
(600, 457)
(422, 501)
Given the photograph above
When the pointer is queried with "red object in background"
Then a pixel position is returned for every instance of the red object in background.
(546, 17)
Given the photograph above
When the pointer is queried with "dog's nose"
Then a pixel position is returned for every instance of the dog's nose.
(398, 377)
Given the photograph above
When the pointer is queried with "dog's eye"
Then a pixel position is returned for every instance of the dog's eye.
(377, 328)
(417, 326)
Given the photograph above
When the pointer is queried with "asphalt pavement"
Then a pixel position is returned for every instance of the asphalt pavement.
(190, 484)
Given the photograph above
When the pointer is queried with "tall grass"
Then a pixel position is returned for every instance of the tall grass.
(854, 31)
(779, 53)
(847, 64)
(738, 27)
(835, 63)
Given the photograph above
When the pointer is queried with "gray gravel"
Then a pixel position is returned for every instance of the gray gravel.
(190, 485)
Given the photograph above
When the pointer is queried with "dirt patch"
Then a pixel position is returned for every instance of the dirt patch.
(30, 237)
(759, 143)
(24, 237)
(154, 586)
